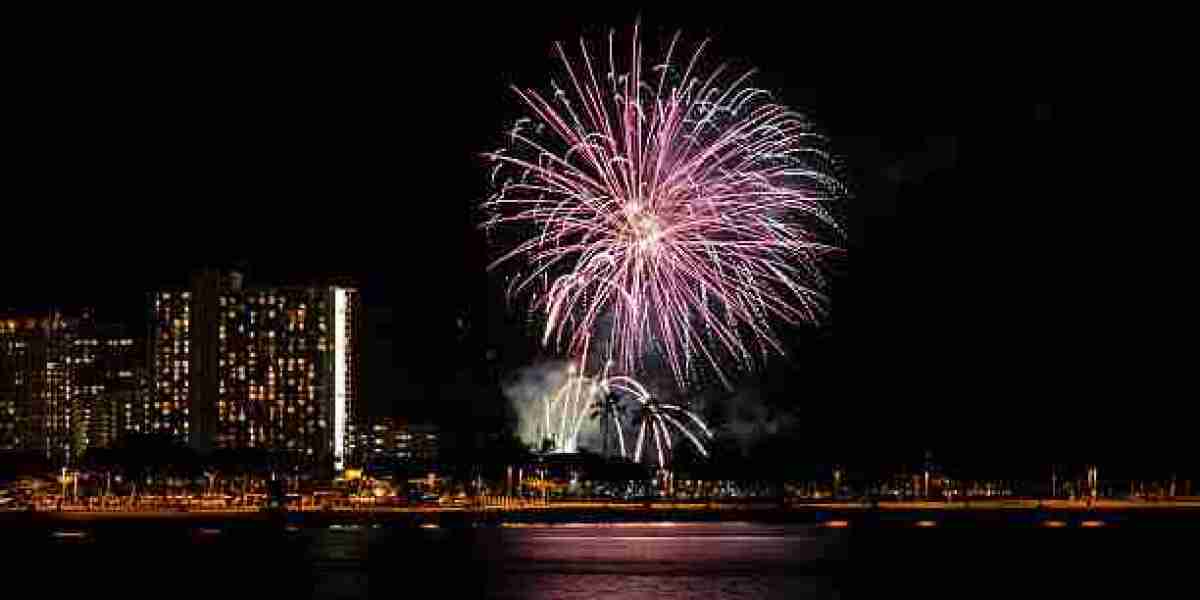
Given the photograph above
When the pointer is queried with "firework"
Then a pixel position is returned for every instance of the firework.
(566, 409)
(680, 213)
(581, 397)
(658, 421)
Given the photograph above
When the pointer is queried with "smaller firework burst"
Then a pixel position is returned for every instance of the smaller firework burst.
(582, 397)
(565, 410)
(659, 421)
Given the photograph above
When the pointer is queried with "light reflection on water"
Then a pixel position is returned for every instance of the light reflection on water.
(580, 560)
(651, 561)
(665, 587)
(135, 559)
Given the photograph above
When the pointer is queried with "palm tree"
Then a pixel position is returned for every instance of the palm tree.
(611, 412)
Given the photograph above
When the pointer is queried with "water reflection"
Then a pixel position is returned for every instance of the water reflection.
(664, 562)
(350, 560)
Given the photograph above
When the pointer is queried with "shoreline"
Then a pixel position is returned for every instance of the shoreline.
(885, 515)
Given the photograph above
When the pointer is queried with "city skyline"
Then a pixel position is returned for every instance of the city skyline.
(981, 317)
(225, 367)
(537, 301)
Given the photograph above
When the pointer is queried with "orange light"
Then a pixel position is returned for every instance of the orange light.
(1054, 524)
(1092, 524)
(837, 524)
(926, 523)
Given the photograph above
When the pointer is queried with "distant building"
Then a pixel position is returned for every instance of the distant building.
(102, 368)
(125, 409)
(60, 378)
(265, 367)
(424, 443)
(391, 442)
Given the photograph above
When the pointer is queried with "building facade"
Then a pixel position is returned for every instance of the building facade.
(23, 404)
(60, 383)
(274, 368)
(391, 442)
(171, 340)
(102, 368)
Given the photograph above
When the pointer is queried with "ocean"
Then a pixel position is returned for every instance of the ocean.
(902, 556)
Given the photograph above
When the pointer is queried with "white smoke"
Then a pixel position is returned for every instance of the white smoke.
(529, 391)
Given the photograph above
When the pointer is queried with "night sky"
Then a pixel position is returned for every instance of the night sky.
(1001, 315)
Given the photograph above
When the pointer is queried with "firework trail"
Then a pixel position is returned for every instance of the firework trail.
(580, 397)
(686, 212)
(567, 408)
(658, 420)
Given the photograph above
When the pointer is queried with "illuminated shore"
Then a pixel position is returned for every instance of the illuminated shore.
(920, 512)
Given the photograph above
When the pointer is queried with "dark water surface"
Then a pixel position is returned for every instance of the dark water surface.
(137, 559)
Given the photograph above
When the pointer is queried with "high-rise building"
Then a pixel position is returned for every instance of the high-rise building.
(58, 379)
(171, 339)
(101, 368)
(263, 367)
(23, 341)
(13, 392)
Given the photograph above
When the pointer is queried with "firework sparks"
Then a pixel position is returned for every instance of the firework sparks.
(686, 213)
(581, 397)
(658, 419)
(567, 408)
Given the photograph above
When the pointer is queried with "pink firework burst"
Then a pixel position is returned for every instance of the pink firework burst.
(675, 214)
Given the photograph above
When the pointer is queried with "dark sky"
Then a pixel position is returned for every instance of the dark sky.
(1000, 308)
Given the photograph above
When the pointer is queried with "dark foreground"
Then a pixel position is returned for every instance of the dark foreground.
(1018, 554)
